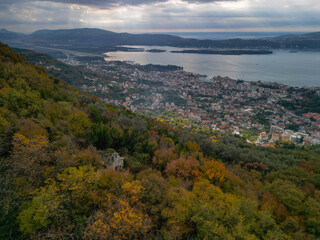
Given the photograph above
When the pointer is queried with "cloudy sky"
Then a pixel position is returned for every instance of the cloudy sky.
(162, 15)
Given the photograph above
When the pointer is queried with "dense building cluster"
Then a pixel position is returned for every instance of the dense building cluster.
(219, 104)
(280, 134)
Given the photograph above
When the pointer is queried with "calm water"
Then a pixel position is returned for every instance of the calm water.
(295, 69)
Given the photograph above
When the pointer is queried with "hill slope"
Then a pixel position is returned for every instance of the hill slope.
(99, 41)
(59, 148)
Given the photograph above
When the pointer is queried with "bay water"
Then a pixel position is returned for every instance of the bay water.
(301, 68)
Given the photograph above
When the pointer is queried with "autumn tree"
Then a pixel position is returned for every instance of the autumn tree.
(77, 183)
(192, 146)
(124, 220)
(89, 156)
(183, 168)
(214, 171)
(30, 158)
(162, 157)
(79, 123)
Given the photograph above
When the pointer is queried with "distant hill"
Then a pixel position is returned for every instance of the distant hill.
(6, 35)
(98, 41)
(307, 41)
(307, 36)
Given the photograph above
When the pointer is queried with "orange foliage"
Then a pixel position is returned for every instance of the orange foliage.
(215, 171)
(182, 168)
(162, 157)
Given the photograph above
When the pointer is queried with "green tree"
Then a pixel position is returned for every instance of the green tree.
(37, 214)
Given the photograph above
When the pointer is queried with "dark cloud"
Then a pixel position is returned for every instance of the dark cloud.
(109, 2)
(104, 3)
(207, 1)
(98, 3)
(30, 15)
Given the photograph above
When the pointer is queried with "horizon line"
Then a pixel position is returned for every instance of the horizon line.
(195, 30)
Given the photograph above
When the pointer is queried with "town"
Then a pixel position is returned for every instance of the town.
(257, 111)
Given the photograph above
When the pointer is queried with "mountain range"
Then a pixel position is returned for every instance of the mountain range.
(95, 40)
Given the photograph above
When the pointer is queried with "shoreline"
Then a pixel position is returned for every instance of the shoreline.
(206, 78)
(281, 66)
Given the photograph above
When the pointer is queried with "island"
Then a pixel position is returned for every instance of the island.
(155, 50)
(127, 49)
(224, 52)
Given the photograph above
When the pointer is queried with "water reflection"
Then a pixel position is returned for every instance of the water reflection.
(296, 69)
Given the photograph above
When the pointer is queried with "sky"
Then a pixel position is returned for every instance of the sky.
(138, 16)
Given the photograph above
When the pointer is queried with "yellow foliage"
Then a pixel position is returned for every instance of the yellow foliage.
(79, 123)
(3, 121)
(121, 222)
(192, 146)
(132, 191)
(30, 157)
(214, 140)
(29, 128)
(22, 143)
(76, 179)
(78, 183)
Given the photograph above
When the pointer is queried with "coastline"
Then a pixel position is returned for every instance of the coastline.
(294, 69)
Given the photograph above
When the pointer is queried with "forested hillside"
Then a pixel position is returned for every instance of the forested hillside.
(93, 40)
(57, 182)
